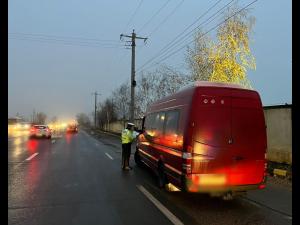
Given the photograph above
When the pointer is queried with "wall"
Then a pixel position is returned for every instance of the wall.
(279, 133)
(118, 126)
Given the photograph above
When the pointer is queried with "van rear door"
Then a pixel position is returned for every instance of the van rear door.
(248, 137)
(229, 135)
(211, 119)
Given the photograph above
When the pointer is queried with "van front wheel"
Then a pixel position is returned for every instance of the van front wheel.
(137, 158)
(162, 179)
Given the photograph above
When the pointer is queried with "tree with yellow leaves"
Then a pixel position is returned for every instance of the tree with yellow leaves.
(229, 58)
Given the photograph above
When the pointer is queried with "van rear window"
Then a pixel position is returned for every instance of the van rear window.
(40, 127)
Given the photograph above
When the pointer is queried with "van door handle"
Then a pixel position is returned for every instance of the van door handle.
(238, 158)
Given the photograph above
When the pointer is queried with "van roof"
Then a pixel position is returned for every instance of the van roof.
(213, 84)
(189, 89)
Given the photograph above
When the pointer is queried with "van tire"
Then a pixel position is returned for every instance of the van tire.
(137, 159)
(162, 179)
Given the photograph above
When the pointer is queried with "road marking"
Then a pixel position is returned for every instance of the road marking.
(160, 206)
(32, 156)
(289, 217)
(253, 203)
(109, 156)
(260, 205)
(96, 144)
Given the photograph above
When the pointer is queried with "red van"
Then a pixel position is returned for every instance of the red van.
(209, 137)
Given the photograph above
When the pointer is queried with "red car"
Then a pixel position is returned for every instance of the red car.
(209, 137)
(72, 128)
(40, 131)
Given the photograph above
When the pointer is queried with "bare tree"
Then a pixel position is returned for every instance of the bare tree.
(107, 113)
(121, 101)
(83, 119)
(54, 119)
(158, 84)
(40, 118)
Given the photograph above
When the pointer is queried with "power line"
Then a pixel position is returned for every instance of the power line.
(121, 57)
(166, 18)
(133, 15)
(166, 46)
(65, 42)
(61, 37)
(154, 15)
(213, 28)
(187, 36)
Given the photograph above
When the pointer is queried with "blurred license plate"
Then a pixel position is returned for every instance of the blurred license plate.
(212, 179)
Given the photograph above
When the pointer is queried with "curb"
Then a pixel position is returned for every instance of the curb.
(280, 172)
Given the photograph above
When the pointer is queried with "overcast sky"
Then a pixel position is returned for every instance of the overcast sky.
(57, 76)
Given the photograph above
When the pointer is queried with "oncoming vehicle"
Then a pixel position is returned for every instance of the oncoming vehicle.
(209, 137)
(42, 131)
(72, 128)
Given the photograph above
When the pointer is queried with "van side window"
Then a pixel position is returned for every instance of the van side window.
(147, 124)
(171, 127)
(158, 124)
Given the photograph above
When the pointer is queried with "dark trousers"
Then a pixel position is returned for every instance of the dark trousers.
(126, 151)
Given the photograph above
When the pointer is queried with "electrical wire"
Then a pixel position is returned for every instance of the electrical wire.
(60, 37)
(166, 18)
(154, 15)
(188, 35)
(133, 15)
(166, 46)
(213, 28)
(64, 42)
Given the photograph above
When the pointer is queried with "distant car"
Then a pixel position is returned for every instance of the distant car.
(72, 128)
(25, 126)
(42, 131)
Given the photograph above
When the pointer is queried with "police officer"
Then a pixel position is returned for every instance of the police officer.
(127, 138)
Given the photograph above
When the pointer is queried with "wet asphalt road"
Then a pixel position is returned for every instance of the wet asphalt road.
(77, 179)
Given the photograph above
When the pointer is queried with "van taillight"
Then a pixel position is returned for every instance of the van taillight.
(187, 162)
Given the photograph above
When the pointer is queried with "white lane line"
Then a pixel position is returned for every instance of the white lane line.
(160, 206)
(96, 144)
(32, 156)
(289, 217)
(109, 156)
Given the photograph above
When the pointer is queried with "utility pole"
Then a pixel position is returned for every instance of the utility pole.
(133, 82)
(95, 118)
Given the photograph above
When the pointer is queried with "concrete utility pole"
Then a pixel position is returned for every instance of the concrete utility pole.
(95, 119)
(133, 82)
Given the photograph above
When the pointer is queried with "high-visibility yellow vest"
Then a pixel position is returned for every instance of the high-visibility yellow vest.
(127, 136)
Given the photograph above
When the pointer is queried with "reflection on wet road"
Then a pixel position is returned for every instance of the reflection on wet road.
(77, 179)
